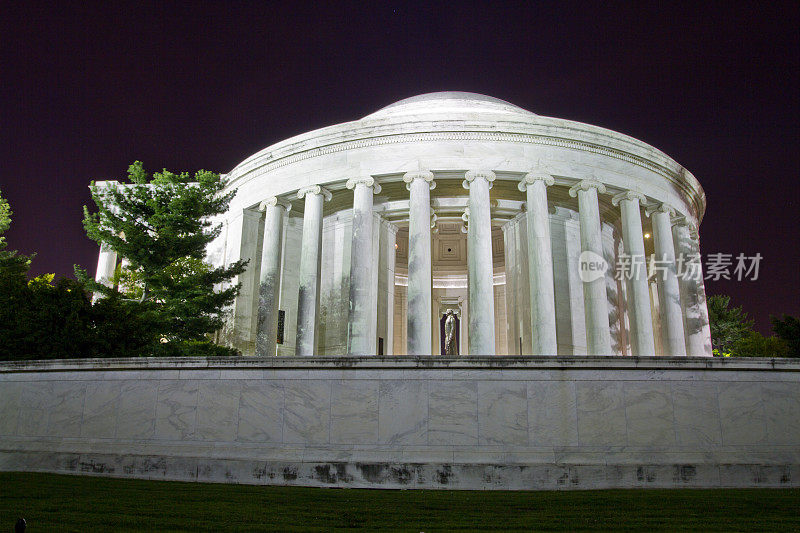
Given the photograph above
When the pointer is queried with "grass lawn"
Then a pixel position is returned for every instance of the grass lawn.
(72, 503)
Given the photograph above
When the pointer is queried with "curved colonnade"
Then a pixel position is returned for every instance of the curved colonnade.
(361, 235)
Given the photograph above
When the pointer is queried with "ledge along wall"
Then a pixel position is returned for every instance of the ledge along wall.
(402, 422)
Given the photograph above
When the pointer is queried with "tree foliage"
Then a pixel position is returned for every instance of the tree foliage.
(161, 224)
(787, 328)
(728, 324)
(46, 319)
(5, 218)
(754, 344)
(732, 332)
(13, 267)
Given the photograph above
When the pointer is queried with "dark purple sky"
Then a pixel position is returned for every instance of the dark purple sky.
(84, 91)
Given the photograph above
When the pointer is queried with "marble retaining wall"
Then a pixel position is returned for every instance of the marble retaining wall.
(400, 422)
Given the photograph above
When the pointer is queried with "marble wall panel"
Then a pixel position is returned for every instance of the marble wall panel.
(10, 398)
(696, 413)
(502, 413)
(601, 413)
(782, 412)
(453, 413)
(100, 409)
(217, 410)
(176, 410)
(137, 409)
(307, 412)
(648, 411)
(741, 412)
(512, 428)
(552, 413)
(260, 414)
(37, 397)
(403, 412)
(354, 412)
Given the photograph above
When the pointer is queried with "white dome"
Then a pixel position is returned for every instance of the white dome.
(449, 102)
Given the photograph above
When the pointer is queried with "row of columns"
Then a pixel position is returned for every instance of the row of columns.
(419, 185)
(682, 331)
(480, 268)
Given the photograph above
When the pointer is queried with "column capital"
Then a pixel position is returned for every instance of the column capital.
(390, 227)
(275, 201)
(367, 181)
(465, 218)
(472, 175)
(678, 220)
(628, 195)
(426, 175)
(532, 177)
(585, 185)
(314, 189)
(660, 207)
(683, 222)
(434, 218)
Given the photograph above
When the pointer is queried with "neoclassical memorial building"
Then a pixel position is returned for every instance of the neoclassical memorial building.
(361, 236)
(447, 223)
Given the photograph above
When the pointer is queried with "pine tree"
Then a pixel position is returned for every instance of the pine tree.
(728, 324)
(161, 225)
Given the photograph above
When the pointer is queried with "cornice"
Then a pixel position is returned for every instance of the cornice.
(76, 369)
(257, 167)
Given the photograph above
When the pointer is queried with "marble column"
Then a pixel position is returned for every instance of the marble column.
(480, 269)
(270, 276)
(595, 300)
(107, 257)
(641, 320)
(246, 239)
(386, 286)
(513, 285)
(540, 264)
(419, 312)
(310, 257)
(692, 289)
(362, 315)
(106, 267)
(672, 333)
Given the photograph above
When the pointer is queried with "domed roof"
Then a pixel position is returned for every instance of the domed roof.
(448, 102)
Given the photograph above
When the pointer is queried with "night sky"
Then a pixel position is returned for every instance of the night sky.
(86, 90)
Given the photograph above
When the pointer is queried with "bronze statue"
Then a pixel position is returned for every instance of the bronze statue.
(450, 334)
